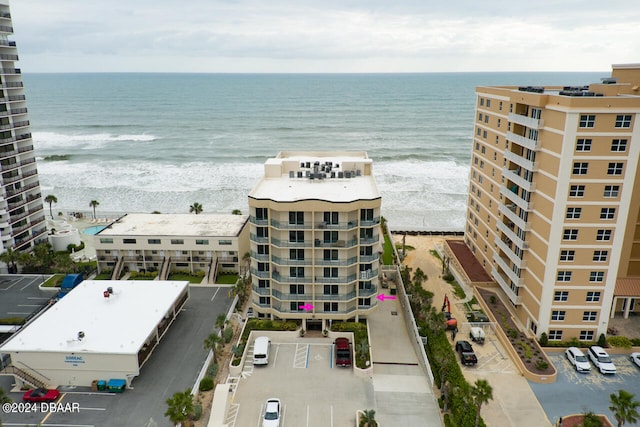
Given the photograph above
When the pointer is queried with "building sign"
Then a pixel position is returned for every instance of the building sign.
(74, 360)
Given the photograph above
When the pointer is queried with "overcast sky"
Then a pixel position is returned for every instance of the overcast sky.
(325, 35)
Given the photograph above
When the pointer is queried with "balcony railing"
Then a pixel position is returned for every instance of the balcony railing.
(529, 122)
(287, 279)
(515, 198)
(258, 221)
(260, 257)
(289, 244)
(261, 291)
(260, 274)
(369, 240)
(520, 263)
(504, 228)
(335, 280)
(370, 222)
(289, 226)
(336, 262)
(504, 266)
(504, 284)
(369, 258)
(513, 175)
(255, 238)
(318, 243)
(288, 261)
(531, 144)
(520, 161)
(337, 226)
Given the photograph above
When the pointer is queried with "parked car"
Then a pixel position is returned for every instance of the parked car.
(477, 316)
(477, 335)
(577, 358)
(635, 359)
(271, 416)
(343, 352)
(467, 356)
(601, 360)
(41, 395)
(250, 313)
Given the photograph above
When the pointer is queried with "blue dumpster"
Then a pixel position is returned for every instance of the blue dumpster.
(116, 385)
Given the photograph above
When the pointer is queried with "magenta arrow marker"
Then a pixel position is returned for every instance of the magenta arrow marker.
(306, 307)
(383, 297)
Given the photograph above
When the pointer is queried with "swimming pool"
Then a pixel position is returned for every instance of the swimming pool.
(93, 230)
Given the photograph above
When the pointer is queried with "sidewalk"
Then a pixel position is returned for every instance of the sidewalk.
(402, 391)
(514, 403)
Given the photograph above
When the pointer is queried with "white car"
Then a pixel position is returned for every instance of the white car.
(635, 359)
(601, 360)
(271, 416)
(577, 359)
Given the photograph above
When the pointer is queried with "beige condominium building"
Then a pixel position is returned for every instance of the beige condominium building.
(315, 237)
(554, 197)
(162, 243)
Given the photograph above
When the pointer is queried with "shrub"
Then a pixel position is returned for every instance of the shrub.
(212, 370)
(493, 299)
(227, 335)
(602, 340)
(448, 278)
(206, 384)
(618, 341)
(197, 411)
(541, 365)
(513, 333)
(544, 339)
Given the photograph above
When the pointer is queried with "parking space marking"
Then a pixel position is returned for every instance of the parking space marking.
(232, 414)
(307, 415)
(18, 312)
(275, 356)
(214, 294)
(301, 358)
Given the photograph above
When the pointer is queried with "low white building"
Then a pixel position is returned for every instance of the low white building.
(169, 242)
(101, 330)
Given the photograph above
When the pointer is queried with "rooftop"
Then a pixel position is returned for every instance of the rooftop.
(334, 176)
(119, 324)
(208, 225)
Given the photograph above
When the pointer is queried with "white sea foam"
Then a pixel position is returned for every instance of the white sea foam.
(53, 140)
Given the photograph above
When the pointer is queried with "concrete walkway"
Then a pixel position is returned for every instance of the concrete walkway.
(514, 403)
(402, 391)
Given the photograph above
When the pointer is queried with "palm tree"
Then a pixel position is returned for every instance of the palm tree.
(195, 208)
(51, 199)
(94, 204)
(482, 392)
(212, 342)
(221, 322)
(624, 408)
(180, 407)
(12, 259)
(368, 418)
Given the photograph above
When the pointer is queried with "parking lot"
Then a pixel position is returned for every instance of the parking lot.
(172, 367)
(575, 393)
(302, 374)
(20, 295)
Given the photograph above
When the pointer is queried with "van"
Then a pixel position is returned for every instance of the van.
(343, 352)
(261, 348)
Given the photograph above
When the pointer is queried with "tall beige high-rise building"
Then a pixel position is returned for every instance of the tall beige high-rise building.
(22, 221)
(315, 237)
(554, 197)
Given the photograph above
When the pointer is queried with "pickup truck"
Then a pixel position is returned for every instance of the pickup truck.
(467, 356)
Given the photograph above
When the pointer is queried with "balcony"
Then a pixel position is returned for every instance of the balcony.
(258, 221)
(515, 198)
(260, 257)
(318, 243)
(288, 261)
(531, 144)
(336, 262)
(511, 234)
(529, 122)
(368, 274)
(255, 238)
(369, 258)
(6, 29)
(513, 175)
(339, 226)
(289, 244)
(336, 280)
(504, 266)
(282, 225)
(260, 274)
(12, 112)
(515, 299)
(504, 247)
(288, 279)
(335, 297)
(369, 240)
(261, 291)
(370, 222)
(511, 215)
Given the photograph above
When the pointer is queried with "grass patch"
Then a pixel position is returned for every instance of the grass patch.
(387, 256)
(406, 247)
(53, 281)
(103, 276)
(12, 321)
(185, 276)
(227, 279)
(435, 253)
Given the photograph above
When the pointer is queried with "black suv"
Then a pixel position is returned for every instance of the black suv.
(467, 356)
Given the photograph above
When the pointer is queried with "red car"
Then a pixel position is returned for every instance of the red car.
(41, 395)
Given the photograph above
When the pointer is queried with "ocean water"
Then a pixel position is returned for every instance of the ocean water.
(145, 142)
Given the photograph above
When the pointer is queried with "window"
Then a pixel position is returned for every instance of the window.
(296, 289)
(129, 241)
(203, 242)
(331, 218)
(153, 241)
(366, 214)
(567, 255)
(555, 335)
(264, 284)
(603, 235)
(600, 256)
(576, 191)
(623, 120)
(607, 213)
(482, 102)
(364, 285)
(364, 302)
(573, 213)
(593, 296)
(586, 335)
(489, 104)
(484, 134)
(330, 272)
(106, 240)
(262, 214)
(295, 306)
(296, 254)
(587, 120)
(561, 296)
(596, 276)
(615, 168)
(611, 190)
(330, 306)
(330, 255)
(296, 272)
(262, 232)
(296, 236)
(619, 145)
(263, 266)
(220, 242)
(570, 234)
(564, 276)
(480, 115)
(331, 290)
(558, 315)
(331, 236)
(580, 168)
(589, 316)
(296, 218)
(583, 144)
(177, 241)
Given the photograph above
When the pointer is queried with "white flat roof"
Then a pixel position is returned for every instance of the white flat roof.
(119, 324)
(282, 181)
(205, 225)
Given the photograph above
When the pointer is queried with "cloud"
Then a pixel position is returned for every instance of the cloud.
(374, 35)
